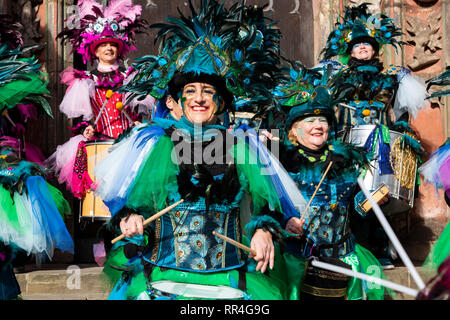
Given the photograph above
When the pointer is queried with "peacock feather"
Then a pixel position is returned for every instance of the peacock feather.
(440, 80)
(239, 44)
(359, 21)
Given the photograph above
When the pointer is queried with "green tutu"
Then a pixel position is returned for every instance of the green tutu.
(61, 203)
(439, 252)
(363, 261)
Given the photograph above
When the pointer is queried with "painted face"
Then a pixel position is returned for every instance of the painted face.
(312, 132)
(88, 133)
(363, 51)
(106, 52)
(200, 102)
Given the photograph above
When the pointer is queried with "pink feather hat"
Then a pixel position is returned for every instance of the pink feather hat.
(93, 24)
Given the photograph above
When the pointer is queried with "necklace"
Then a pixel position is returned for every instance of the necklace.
(311, 158)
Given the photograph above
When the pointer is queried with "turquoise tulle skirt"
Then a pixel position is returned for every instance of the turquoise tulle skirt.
(33, 221)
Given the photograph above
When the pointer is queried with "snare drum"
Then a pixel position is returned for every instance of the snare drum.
(177, 291)
(92, 207)
(403, 162)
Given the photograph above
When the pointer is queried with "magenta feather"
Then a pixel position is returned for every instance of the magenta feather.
(122, 9)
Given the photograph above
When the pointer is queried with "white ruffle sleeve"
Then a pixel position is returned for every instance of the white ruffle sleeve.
(77, 100)
(410, 95)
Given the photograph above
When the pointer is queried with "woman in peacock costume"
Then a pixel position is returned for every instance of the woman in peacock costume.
(381, 95)
(195, 159)
(312, 155)
(378, 110)
(31, 210)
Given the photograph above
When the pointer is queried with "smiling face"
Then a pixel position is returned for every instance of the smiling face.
(363, 51)
(200, 102)
(312, 132)
(106, 53)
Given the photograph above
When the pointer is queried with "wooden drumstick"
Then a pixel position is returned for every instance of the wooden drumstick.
(152, 218)
(235, 243)
(108, 95)
(315, 191)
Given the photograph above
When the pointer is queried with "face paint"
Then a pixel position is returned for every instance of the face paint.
(362, 43)
(217, 99)
(312, 132)
(362, 51)
(300, 132)
(200, 102)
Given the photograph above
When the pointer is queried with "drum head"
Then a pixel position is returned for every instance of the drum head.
(192, 290)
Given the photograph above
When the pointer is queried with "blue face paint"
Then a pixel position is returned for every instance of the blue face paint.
(362, 43)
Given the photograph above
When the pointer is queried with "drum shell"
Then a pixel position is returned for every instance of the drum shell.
(403, 198)
(320, 284)
(93, 207)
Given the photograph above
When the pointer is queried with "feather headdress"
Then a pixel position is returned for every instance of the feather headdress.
(21, 80)
(441, 80)
(360, 25)
(93, 24)
(308, 92)
(238, 47)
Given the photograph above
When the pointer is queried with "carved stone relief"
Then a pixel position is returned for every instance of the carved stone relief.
(373, 5)
(425, 37)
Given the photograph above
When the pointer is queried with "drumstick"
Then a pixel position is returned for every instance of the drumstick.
(152, 218)
(108, 95)
(121, 108)
(127, 116)
(235, 243)
(317, 188)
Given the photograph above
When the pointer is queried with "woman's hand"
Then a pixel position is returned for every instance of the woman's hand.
(132, 225)
(295, 225)
(265, 251)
